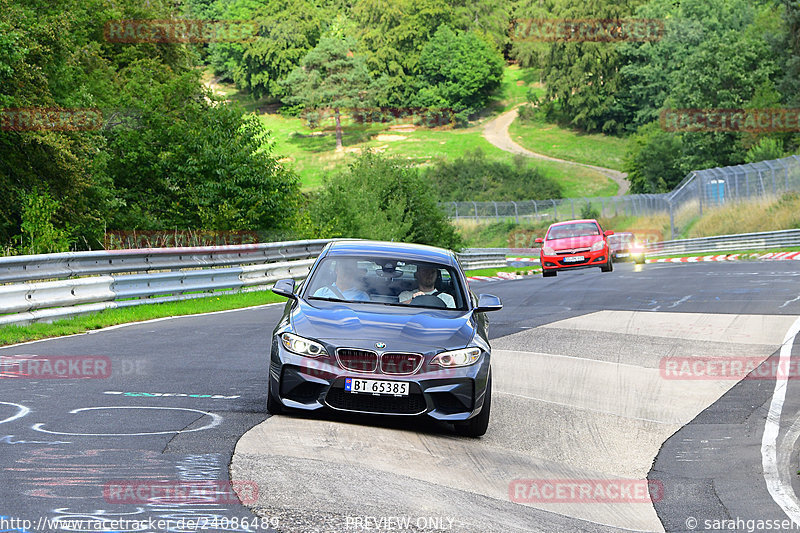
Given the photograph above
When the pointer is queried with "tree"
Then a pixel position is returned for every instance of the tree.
(392, 34)
(653, 161)
(330, 76)
(458, 71)
(383, 199)
(287, 30)
(194, 163)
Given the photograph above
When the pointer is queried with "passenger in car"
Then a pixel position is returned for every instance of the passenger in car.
(426, 277)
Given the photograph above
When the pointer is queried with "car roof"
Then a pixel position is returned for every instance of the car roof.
(396, 250)
(568, 222)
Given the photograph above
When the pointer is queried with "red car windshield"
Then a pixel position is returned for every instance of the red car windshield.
(567, 231)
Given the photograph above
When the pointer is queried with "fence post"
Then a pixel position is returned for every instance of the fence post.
(555, 211)
(700, 191)
(456, 205)
(516, 213)
(496, 216)
(536, 210)
(572, 203)
(476, 210)
(671, 221)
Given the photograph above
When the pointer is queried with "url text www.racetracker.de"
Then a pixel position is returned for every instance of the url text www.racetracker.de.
(248, 523)
(740, 524)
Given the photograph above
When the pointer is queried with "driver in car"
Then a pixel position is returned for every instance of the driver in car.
(426, 277)
(346, 285)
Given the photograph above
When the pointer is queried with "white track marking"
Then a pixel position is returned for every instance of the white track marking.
(782, 494)
(215, 421)
(22, 412)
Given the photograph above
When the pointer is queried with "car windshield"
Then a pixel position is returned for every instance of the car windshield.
(567, 231)
(387, 281)
(621, 238)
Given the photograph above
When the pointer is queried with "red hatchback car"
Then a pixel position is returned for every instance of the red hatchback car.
(575, 244)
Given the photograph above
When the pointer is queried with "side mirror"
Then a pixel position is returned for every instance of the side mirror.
(608, 233)
(488, 302)
(285, 288)
(539, 240)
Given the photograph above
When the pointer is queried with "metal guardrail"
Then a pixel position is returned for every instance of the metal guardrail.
(53, 286)
(474, 258)
(84, 282)
(743, 241)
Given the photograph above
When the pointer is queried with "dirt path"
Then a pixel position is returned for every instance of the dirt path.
(496, 132)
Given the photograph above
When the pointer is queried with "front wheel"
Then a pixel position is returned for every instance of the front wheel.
(477, 426)
(549, 273)
(608, 267)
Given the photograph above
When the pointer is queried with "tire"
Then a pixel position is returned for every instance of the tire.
(549, 273)
(609, 266)
(274, 407)
(477, 426)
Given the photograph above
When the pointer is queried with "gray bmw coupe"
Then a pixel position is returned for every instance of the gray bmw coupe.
(384, 328)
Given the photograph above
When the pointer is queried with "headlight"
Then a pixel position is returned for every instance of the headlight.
(463, 357)
(301, 346)
(599, 245)
(546, 250)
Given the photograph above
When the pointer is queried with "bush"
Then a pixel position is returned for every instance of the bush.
(475, 178)
(382, 199)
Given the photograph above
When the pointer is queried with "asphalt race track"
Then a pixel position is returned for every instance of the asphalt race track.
(591, 388)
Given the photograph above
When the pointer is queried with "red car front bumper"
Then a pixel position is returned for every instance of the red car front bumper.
(574, 261)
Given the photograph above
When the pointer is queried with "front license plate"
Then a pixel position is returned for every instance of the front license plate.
(623, 255)
(374, 386)
(573, 259)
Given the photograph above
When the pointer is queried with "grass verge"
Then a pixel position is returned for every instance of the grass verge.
(553, 140)
(13, 334)
(494, 271)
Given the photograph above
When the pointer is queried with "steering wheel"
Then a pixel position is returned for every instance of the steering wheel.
(428, 300)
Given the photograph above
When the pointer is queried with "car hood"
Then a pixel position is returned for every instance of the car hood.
(400, 328)
(573, 242)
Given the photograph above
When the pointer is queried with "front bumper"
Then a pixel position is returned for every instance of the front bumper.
(447, 394)
(574, 261)
(628, 255)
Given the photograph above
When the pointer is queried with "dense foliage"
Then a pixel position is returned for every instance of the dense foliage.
(167, 155)
(476, 178)
(382, 198)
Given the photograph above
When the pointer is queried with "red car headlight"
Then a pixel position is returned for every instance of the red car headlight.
(599, 245)
(546, 250)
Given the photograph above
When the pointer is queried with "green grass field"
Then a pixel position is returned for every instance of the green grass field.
(552, 140)
(312, 153)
